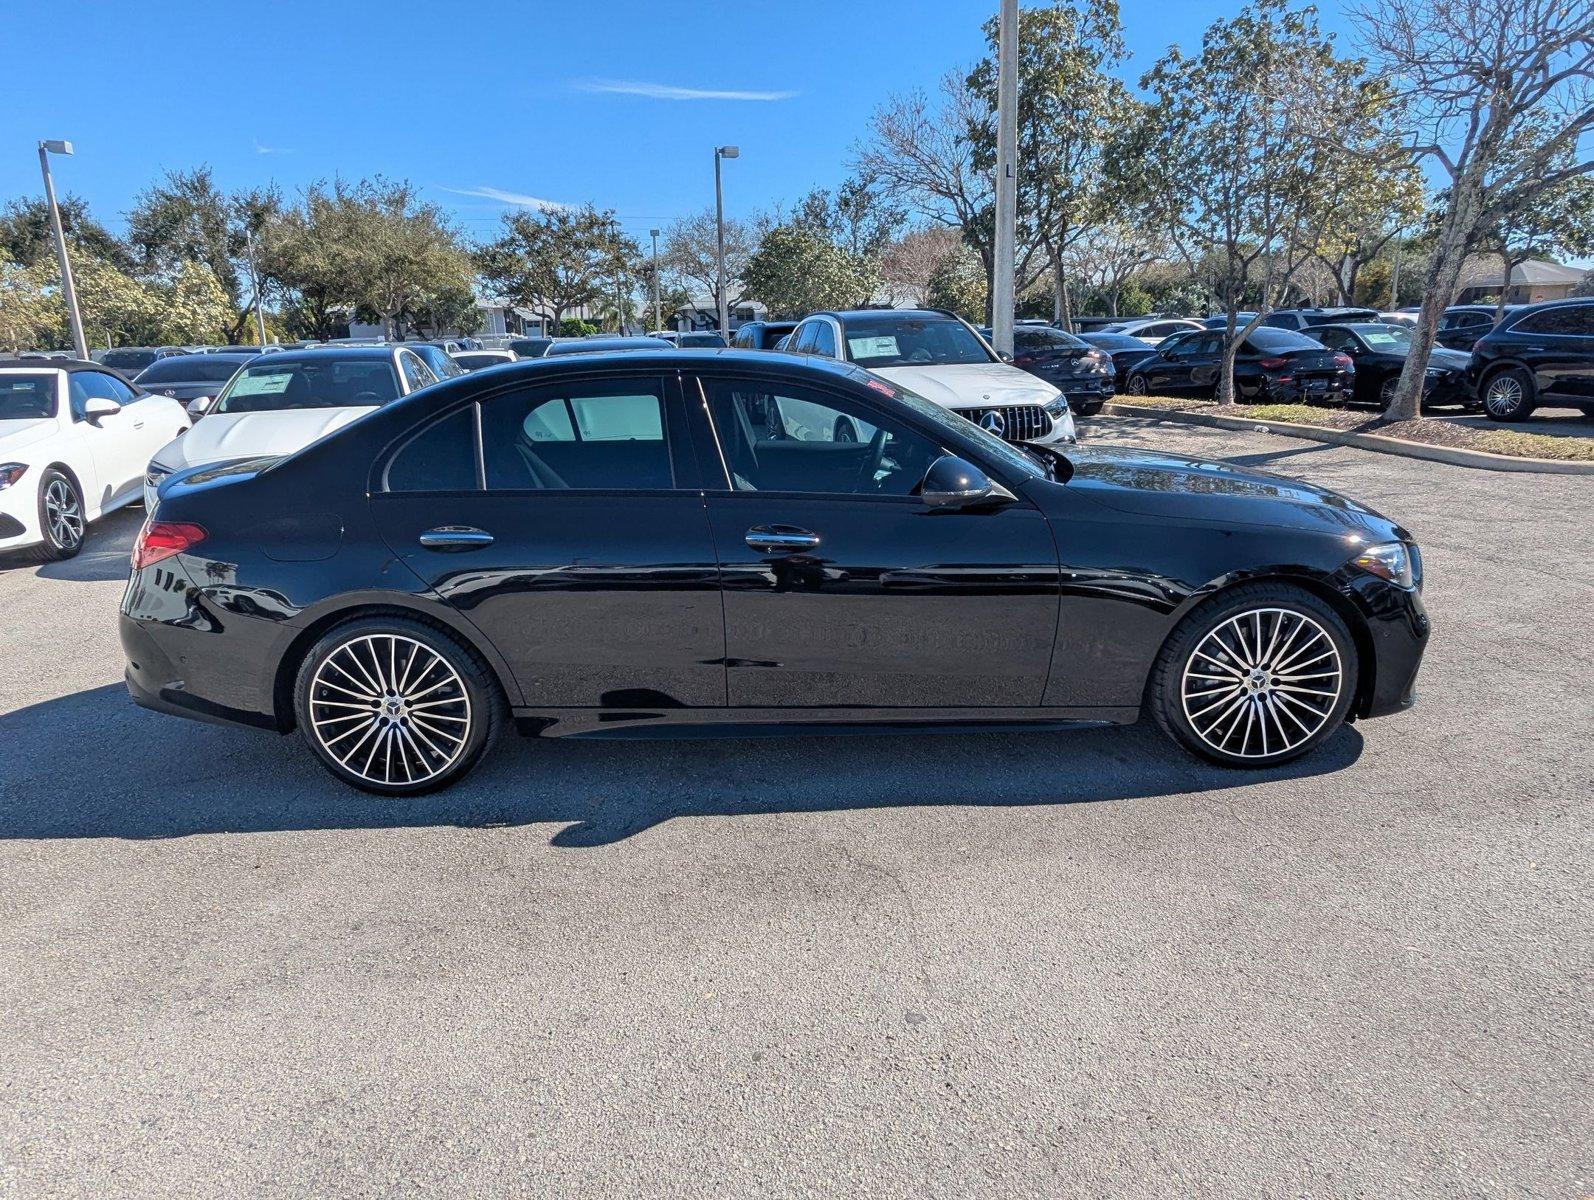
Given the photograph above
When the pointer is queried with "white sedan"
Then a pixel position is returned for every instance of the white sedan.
(278, 404)
(74, 439)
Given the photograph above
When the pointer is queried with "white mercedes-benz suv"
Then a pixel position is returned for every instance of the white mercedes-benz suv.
(940, 357)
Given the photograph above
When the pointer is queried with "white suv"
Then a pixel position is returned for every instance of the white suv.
(940, 357)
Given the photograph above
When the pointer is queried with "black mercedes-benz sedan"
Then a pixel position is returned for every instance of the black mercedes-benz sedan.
(1379, 351)
(677, 541)
(1271, 366)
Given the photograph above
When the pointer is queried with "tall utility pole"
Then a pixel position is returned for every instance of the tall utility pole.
(68, 292)
(619, 309)
(254, 279)
(1006, 177)
(658, 319)
(1394, 274)
(721, 152)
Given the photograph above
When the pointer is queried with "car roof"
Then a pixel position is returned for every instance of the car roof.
(1563, 302)
(58, 364)
(671, 357)
(317, 354)
(915, 314)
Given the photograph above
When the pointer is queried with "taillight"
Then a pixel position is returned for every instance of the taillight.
(1344, 361)
(161, 539)
(1272, 364)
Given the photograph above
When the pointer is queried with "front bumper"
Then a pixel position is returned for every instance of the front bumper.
(19, 513)
(1398, 627)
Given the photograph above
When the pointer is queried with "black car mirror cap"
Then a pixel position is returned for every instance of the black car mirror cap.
(955, 483)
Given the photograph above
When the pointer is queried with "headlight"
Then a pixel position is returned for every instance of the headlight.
(10, 473)
(156, 473)
(1388, 560)
(1058, 406)
(1436, 372)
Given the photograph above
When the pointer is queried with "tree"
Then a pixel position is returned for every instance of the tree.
(117, 309)
(186, 219)
(195, 308)
(1240, 148)
(688, 259)
(860, 217)
(31, 313)
(908, 263)
(26, 237)
(558, 260)
(1109, 254)
(1502, 96)
(795, 271)
(1380, 197)
(958, 283)
(297, 249)
(1557, 222)
(398, 252)
(1068, 102)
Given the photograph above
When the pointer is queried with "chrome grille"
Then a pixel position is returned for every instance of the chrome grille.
(1020, 422)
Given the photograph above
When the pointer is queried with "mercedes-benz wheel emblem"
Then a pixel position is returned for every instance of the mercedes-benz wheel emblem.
(994, 422)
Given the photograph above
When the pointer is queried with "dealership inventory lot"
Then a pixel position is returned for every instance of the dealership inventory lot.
(1011, 964)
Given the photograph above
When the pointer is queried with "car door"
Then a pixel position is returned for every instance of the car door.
(1558, 345)
(120, 444)
(841, 588)
(575, 539)
(1205, 360)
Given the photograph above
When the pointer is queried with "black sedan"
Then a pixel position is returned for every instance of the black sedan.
(190, 377)
(1125, 352)
(639, 544)
(1271, 366)
(1069, 363)
(1379, 351)
(1540, 354)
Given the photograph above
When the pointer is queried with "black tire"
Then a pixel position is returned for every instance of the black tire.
(455, 692)
(62, 518)
(1312, 637)
(1508, 395)
(1386, 390)
(843, 430)
(1136, 386)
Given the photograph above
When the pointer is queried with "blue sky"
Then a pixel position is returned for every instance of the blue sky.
(563, 102)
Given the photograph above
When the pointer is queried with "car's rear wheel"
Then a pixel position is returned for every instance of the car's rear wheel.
(1508, 395)
(1255, 677)
(1136, 385)
(396, 706)
(61, 517)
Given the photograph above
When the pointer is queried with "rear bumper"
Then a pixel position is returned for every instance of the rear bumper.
(157, 682)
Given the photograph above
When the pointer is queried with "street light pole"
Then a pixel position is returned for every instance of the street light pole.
(68, 292)
(1006, 177)
(619, 311)
(721, 152)
(254, 277)
(658, 317)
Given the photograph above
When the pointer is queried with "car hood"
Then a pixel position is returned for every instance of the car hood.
(1450, 360)
(971, 385)
(1166, 485)
(16, 436)
(220, 436)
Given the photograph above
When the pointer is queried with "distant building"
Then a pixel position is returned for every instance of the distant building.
(1531, 282)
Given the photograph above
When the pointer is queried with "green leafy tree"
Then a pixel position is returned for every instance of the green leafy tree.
(31, 313)
(796, 271)
(1555, 223)
(958, 283)
(397, 252)
(560, 259)
(195, 307)
(26, 237)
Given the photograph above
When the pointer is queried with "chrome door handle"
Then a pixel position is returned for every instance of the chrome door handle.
(456, 537)
(780, 537)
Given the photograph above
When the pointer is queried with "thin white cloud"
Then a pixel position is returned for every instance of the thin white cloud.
(666, 91)
(259, 149)
(519, 199)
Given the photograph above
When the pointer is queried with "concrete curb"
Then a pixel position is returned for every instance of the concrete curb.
(1364, 441)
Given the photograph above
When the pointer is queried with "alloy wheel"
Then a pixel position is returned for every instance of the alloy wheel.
(390, 709)
(1504, 395)
(63, 513)
(1262, 683)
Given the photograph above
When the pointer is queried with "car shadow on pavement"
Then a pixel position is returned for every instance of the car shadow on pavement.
(104, 556)
(92, 764)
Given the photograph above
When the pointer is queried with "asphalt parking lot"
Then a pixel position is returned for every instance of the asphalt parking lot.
(1009, 965)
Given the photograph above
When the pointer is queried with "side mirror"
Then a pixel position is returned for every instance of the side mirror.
(199, 406)
(953, 482)
(96, 408)
(1004, 356)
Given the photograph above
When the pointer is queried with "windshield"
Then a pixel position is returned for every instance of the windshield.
(27, 397)
(944, 418)
(1279, 340)
(1115, 341)
(1393, 339)
(891, 340)
(190, 368)
(323, 382)
(701, 341)
(128, 360)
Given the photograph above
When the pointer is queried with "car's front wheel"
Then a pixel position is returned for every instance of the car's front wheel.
(1508, 395)
(1136, 386)
(61, 517)
(1255, 677)
(396, 706)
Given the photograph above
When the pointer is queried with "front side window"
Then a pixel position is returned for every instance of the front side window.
(595, 435)
(892, 340)
(323, 381)
(416, 373)
(779, 437)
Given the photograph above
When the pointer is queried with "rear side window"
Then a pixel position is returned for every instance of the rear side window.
(441, 458)
(597, 435)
